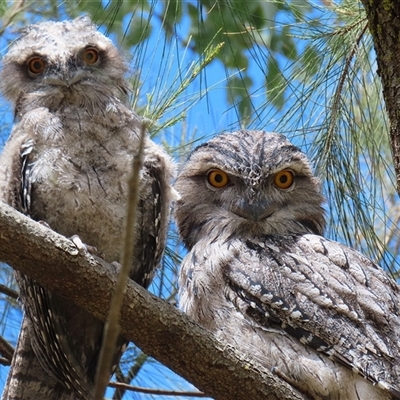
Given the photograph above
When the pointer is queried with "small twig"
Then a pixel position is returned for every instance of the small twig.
(112, 328)
(8, 292)
(13, 11)
(132, 373)
(160, 392)
(5, 362)
(339, 89)
(6, 350)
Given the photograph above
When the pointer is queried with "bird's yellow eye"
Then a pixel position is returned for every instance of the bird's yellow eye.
(90, 56)
(284, 179)
(218, 178)
(36, 65)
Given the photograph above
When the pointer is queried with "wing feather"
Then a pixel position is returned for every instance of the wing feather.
(328, 296)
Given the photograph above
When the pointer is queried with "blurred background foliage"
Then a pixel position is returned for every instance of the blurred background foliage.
(304, 68)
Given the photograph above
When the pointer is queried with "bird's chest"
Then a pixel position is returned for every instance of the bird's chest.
(79, 180)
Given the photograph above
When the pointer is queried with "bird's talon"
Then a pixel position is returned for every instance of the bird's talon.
(82, 247)
(44, 223)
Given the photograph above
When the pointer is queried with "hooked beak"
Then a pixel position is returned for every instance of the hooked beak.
(66, 80)
(255, 210)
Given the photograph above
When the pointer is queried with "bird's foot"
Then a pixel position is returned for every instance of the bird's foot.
(44, 223)
(82, 247)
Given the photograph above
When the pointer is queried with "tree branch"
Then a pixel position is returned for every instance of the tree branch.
(158, 392)
(159, 329)
(8, 292)
(6, 350)
(112, 329)
(384, 25)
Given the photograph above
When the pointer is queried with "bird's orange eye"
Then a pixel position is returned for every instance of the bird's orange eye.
(218, 178)
(36, 65)
(90, 56)
(284, 179)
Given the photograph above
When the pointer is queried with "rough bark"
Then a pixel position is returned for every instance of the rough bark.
(384, 25)
(159, 329)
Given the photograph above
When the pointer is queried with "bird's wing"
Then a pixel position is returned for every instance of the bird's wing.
(152, 234)
(26, 177)
(327, 296)
(47, 325)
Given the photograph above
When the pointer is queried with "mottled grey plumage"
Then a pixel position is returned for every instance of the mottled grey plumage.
(261, 277)
(66, 163)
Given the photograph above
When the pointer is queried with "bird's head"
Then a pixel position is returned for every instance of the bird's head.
(247, 183)
(55, 62)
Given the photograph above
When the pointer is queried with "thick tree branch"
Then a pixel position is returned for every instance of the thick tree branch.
(156, 327)
(384, 25)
